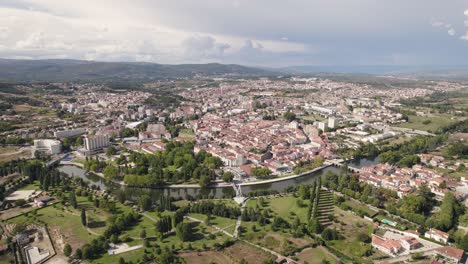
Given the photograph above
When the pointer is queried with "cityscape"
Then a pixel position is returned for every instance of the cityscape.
(231, 153)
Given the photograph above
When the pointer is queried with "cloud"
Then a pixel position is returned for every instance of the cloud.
(465, 37)
(203, 47)
(437, 23)
(466, 12)
(236, 32)
(451, 32)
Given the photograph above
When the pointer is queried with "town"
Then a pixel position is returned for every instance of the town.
(251, 139)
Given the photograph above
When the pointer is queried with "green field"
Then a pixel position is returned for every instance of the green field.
(227, 224)
(285, 207)
(436, 121)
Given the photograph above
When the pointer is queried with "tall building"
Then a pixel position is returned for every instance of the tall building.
(95, 144)
(323, 126)
(332, 122)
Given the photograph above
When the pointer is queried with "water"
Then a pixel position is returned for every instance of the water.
(186, 193)
(155, 193)
(90, 178)
(364, 162)
(281, 186)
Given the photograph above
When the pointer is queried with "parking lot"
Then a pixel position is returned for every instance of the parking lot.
(426, 245)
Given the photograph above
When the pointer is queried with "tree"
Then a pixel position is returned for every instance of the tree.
(73, 199)
(143, 234)
(67, 250)
(289, 116)
(205, 181)
(144, 202)
(111, 151)
(363, 237)
(261, 171)
(228, 176)
(83, 217)
(110, 171)
(330, 234)
(78, 253)
(464, 243)
(315, 226)
(184, 231)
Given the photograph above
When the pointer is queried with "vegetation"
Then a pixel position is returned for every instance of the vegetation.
(307, 166)
(178, 163)
(261, 171)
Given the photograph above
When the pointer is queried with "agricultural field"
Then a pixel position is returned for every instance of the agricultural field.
(351, 226)
(9, 153)
(214, 257)
(242, 251)
(316, 255)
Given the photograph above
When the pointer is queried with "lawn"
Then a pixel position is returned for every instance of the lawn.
(285, 207)
(58, 218)
(227, 224)
(32, 186)
(356, 205)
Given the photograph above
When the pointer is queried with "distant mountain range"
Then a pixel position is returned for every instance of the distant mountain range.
(77, 70)
(456, 72)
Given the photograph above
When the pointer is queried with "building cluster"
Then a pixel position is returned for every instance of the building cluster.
(408, 180)
(278, 145)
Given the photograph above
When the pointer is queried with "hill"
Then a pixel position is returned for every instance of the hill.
(77, 70)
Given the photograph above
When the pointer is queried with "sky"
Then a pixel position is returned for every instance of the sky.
(271, 33)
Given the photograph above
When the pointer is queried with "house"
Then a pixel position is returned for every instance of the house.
(451, 253)
(42, 199)
(388, 246)
(22, 239)
(437, 235)
(410, 243)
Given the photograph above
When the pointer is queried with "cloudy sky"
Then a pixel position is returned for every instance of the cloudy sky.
(251, 32)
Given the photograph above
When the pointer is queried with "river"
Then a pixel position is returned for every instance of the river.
(216, 192)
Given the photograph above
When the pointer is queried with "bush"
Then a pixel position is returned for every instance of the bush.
(67, 250)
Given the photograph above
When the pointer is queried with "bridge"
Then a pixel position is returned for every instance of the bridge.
(239, 198)
(341, 164)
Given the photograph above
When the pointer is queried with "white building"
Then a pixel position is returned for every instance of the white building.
(332, 122)
(69, 133)
(95, 144)
(323, 126)
(437, 235)
(47, 147)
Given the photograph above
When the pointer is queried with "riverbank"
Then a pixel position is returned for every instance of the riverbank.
(307, 173)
